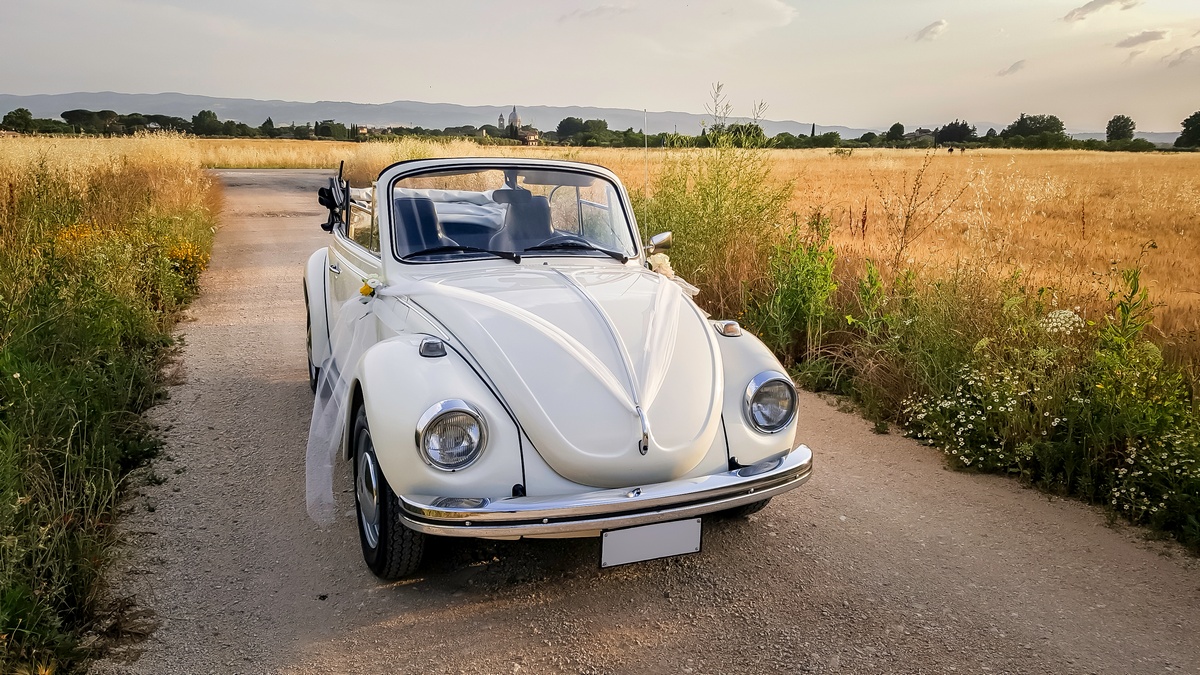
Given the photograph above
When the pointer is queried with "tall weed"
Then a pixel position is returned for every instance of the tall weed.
(726, 210)
(790, 314)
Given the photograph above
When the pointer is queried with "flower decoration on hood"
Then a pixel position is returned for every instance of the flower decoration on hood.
(659, 262)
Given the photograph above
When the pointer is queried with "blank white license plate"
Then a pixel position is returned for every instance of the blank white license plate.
(647, 542)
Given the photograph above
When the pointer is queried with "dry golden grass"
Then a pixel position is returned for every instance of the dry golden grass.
(1064, 218)
(170, 164)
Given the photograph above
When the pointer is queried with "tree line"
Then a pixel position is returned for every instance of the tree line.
(203, 123)
(1027, 131)
(1031, 131)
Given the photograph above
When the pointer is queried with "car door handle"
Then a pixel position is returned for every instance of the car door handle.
(334, 268)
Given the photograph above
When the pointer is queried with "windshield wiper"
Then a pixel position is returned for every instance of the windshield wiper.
(507, 255)
(579, 245)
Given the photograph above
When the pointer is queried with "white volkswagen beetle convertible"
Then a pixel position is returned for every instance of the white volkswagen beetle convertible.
(492, 352)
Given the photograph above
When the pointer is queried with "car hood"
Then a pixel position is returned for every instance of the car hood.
(613, 373)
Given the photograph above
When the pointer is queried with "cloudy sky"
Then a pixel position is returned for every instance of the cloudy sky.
(860, 63)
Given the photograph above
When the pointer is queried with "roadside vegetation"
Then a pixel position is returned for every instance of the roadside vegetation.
(102, 242)
(935, 299)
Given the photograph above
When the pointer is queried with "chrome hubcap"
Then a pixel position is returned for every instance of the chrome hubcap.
(367, 490)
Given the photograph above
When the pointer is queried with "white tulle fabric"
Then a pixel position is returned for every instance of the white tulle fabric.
(357, 327)
(350, 334)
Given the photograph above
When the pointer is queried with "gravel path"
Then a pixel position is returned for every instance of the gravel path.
(885, 562)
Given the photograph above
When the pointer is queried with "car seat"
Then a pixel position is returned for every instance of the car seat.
(525, 224)
(417, 227)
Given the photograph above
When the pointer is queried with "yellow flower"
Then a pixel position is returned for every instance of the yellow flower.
(366, 289)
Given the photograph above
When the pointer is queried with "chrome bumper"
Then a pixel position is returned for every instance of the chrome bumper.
(592, 512)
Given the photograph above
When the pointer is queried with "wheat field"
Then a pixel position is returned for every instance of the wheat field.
(1064, 219)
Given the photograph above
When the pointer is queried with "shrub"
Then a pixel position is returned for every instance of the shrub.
(789, 314)
(1081, 409)
(725, 210)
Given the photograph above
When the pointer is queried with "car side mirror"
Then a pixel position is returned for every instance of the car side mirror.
(332, 198)
(659, 242)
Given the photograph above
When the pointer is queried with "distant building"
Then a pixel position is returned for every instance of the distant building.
(512, 129)
(919, 134)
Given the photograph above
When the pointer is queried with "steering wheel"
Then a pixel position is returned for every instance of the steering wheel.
(563, 237)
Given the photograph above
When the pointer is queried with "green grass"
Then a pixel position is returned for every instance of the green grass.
(94, 265)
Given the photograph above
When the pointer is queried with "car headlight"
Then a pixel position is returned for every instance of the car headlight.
(451, 435)
(770, 402)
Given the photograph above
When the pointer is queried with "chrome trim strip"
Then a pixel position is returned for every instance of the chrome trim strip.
(606, 509)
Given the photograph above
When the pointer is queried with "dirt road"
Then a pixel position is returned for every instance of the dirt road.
(885, 562)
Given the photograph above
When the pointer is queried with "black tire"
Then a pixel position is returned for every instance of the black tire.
(747, 509)
(314, 373)
(391, 550)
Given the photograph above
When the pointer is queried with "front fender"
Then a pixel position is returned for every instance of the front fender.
(315, 280)
(397, 385)
(744, 357)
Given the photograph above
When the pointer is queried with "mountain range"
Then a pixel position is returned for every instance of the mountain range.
(417, 113)
(396, 113)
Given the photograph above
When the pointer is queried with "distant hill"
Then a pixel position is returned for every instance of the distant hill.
(396, 113)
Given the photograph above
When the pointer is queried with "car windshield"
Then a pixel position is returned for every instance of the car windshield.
(508, 211)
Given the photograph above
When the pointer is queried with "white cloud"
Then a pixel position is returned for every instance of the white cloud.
(1185, 56)
(932, 31)
(1144, 37)
(1014, 68)
(1081, 13)
(1133, 55)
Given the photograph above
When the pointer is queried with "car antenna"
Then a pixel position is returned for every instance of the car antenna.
(646, 139)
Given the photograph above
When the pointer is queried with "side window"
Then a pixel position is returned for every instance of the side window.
(363, 228)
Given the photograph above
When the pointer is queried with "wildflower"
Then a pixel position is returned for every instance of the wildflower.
(16, 376)
(1062, 321)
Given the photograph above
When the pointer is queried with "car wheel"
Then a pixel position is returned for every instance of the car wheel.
(390, 549)
(747, 509)
(313, 372)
